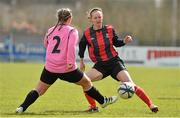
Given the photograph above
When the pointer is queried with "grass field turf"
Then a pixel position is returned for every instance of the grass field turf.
(67, 100)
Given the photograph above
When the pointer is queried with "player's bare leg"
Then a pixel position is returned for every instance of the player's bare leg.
(32, 96)
(91, 91)
(124, 76)
(94, 75)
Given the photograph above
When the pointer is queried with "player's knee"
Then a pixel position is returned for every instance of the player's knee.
(85, 83)
(99, 77)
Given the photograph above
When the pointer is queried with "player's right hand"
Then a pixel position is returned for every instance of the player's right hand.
(69, 66)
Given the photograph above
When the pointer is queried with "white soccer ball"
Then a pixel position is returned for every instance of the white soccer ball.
(126, 90)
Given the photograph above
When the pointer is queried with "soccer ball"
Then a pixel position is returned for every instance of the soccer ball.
(126, 90)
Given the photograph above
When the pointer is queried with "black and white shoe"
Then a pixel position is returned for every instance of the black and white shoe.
(92, 109)
(154, 108)
(109, 100)
(19, 110)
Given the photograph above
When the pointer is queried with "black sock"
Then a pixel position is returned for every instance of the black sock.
(94, 93)
(30, 98)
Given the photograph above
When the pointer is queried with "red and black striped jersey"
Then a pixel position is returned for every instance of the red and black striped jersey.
(100, 43)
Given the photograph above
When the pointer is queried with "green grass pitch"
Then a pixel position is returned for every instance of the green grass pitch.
(67, 100)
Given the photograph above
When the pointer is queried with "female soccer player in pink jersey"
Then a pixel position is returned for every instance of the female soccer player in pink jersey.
(60, 43)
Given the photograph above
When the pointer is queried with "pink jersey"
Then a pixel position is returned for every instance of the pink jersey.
(60, 49)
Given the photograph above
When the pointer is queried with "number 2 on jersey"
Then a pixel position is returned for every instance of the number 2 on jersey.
(55, 49)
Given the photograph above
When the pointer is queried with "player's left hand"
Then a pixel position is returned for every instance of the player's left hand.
(128, 39)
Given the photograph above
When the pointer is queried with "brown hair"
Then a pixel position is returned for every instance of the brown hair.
(89, 13)
(62, 15)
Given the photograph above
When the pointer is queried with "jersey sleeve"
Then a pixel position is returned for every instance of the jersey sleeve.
(82, 46)
(118, 42)
(72, 42)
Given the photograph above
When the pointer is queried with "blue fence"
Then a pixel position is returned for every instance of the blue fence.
(21, 51)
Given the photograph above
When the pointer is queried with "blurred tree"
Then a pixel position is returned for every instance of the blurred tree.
(149, 23)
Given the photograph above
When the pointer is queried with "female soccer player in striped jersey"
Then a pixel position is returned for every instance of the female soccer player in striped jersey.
(60, 43)
(101, 40)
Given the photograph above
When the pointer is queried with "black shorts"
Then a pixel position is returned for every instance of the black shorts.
(72, 77)
(111, 67)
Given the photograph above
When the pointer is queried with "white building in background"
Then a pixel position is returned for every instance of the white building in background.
(148, 56)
